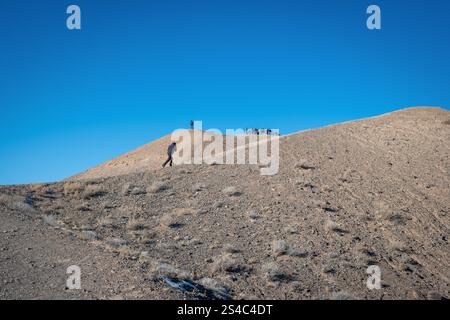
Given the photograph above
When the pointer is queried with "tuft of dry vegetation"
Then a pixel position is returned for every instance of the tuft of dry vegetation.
(157, 187)
(279, 247)
(145, 237)
(51, 221)
(93, 191)
(89, 235)
(16, 203)
(229, 248)
(331, 226)
(253, 215)
(162, 269)
(171, 220)
(136, 225)
(74, 188)
(305, 165)
(232, 192)
(228, 263)
(198, 187)
(272, 272)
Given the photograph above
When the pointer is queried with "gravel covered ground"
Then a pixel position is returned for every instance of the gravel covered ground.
(368, 192)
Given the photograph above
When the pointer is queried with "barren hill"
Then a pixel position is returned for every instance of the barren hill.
(148, 157)
(369, 192)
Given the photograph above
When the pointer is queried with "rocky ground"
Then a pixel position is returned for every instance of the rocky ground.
(368, 192)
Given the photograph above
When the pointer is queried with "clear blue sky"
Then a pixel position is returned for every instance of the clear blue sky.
(140, 69)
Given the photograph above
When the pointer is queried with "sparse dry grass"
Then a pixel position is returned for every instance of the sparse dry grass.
(15, 203)
(41, 189)
(130, 189)
(162, 269)
(126, 189)
(171, 220)
(157, 187)
(198, 187)
(145, 237)
(304, 165)
(228, 262)
(117, 242)
(89, 235)
(93, 191)
(273, 273)
(253, 215)
(82, 207)
(136, 225)
(331, 226)
(279, 247)
(398, 246)
(176, 218)
(73, 188)
(229, 248)
(51, 221)
(232, 192)
(80, 190)
(108, 222)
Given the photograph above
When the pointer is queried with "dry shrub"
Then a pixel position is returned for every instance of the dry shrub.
(15, 203)
(229, 248)
(272, 273)
(305, 165)
(162, 269)
(171, 221)
(279, 247)
(145, 237)
(331, 226)
(73, 188)
(117, 242)
(198, 187)
(51, 221)
(130, 189)
(89, 235)
(176, 218)
(41, 189)
(108, 222)
(136, 225)
(93, 191)
(157, 187)
(228, 263)
(253, 215)
(232, 192)
(126, 189)
(219, 291)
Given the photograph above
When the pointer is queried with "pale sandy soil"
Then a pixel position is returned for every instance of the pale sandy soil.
(369, 192)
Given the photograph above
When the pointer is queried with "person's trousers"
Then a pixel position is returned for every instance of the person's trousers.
(167, 161)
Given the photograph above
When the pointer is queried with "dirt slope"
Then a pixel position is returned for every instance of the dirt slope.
(148, 157)
(368, 192)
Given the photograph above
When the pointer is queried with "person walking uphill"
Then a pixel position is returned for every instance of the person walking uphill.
(170, 151)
